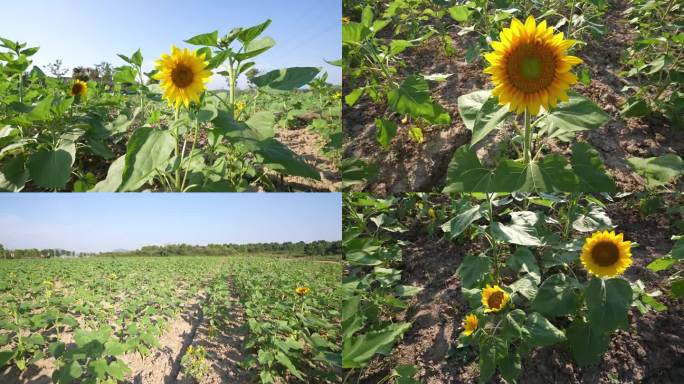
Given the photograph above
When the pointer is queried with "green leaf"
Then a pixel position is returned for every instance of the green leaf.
(287, 363)
(586, 342)
(676, 291)
(466, 215)
(50, 169)
(386, 131)
(357, 351)
(487, 119)
(114, 348)
(148, 151)
(556, 296)
(492, 351)
(137, 58)
(407, 290)
(281, 159)
(56, 349)
(661, 264)
(526, 286)
(635, 107)
(466, 173)
(413, 97)
(658, 170)
(459, 13)
(206, 39)
(541, 332)
(514, 325)
(256, 48)
(5, 357)
(608, 302)
(577, 114)
(416, 134)
(74, 371)
(352, 97)
(521, 231)
(125, 75)
(113, 180)
(511, 367)
(398, 46)
(473, 270)
(41, 111)
(470, 104)
(588, 167)
(13, 174)
(593, 218)
(286, 79)
(523, 261)
(354, 33)
(653, 302)
(118, 369)
(248, 34)
(99, 368)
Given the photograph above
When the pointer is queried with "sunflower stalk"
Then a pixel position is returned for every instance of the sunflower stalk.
(192, 150)
(527, 145)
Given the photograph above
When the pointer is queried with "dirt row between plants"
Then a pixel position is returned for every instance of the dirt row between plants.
(409, 166)
(163, 365)
(650, 351)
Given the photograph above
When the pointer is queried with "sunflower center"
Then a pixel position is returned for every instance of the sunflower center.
(77, 89)
(495, 299)
(531, 67)
(605, 254)
(182, 76)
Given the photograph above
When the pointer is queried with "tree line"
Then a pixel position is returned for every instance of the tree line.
(314, 248)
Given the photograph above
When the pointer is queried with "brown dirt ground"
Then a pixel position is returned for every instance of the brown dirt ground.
(408, 166)
(224, 349)
(650, 351)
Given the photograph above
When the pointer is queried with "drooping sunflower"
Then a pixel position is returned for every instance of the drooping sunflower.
(78, 88)
(494, 298)
(606, 254)
(301, 291)
(530, 67)
(469, 324)
(183, 75)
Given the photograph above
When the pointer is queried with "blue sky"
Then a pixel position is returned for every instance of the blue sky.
(84, 33)
(107, 221)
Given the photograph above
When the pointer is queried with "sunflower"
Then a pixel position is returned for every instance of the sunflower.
(78, 88)
(301, 291)
(494, 298)
(606, 254)
(182, 75)
(239, 107)
(346, 20)
(530, 68)
(469, 324)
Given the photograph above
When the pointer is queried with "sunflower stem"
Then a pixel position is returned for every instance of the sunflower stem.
(527, 148)
(192, 149)
(177, 147)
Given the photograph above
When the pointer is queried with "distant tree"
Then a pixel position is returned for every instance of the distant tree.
(56, 69)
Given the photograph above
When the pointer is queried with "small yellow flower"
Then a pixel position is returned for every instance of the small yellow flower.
(494, 298)
(432, 214)
(346, 20)
(182, 76)
(470, 324)
(337, 95)
(606, 254)
(78, 88)
(301, 291)
(239, 106)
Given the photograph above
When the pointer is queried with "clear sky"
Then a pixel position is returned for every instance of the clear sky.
(109, 221)
(85, 33)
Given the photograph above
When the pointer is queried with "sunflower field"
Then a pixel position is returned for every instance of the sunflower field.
(503, 96)
(163, 130)
(169, 319)
(498, 287)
